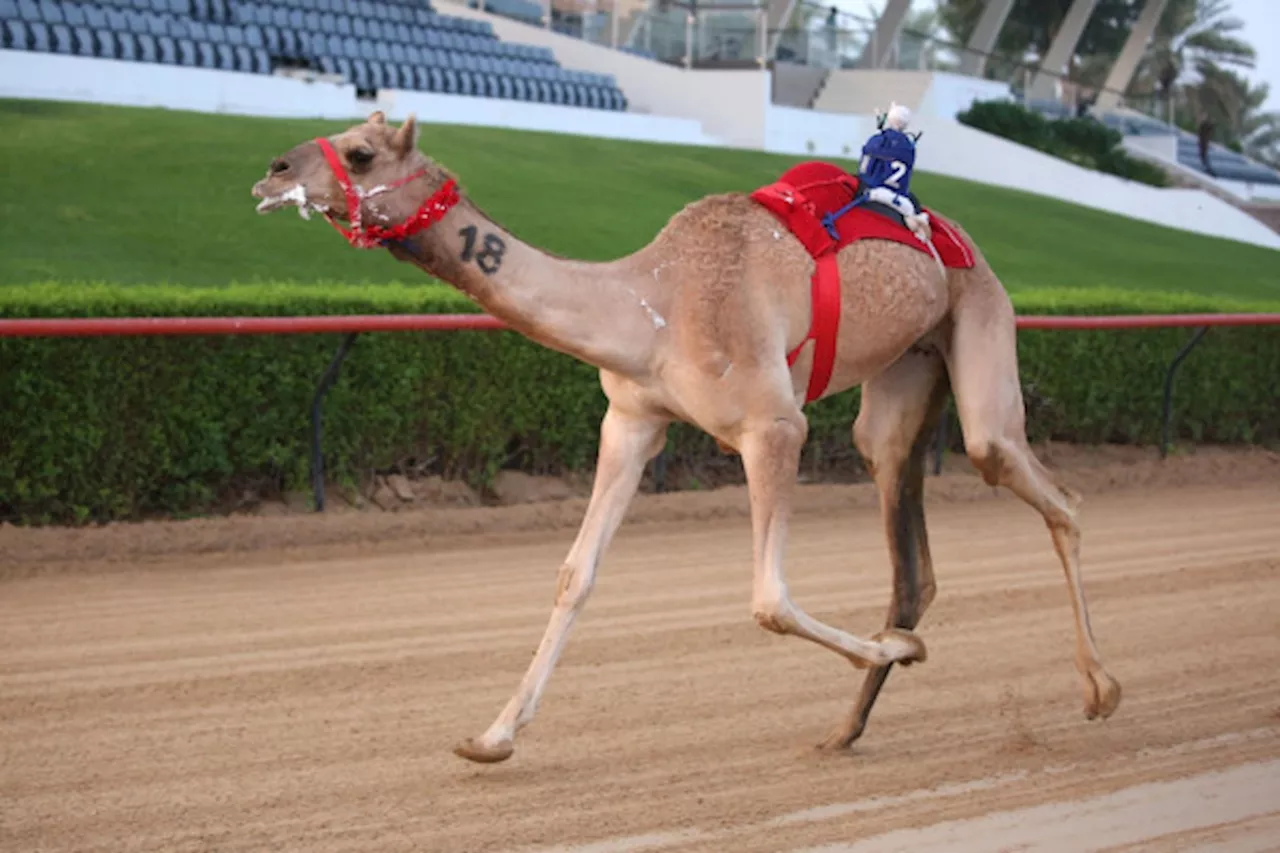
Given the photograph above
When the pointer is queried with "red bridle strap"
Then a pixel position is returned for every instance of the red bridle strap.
(372, 236)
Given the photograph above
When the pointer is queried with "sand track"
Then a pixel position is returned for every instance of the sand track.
(186, 688)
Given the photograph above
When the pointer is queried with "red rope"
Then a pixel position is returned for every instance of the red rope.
(372, 236)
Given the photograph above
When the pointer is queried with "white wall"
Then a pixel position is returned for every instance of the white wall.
(859, 91)
(109, 81)
(495, 112)
(791, 130)
(949, 94)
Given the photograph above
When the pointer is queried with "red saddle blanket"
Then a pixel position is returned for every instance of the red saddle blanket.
(800, 198)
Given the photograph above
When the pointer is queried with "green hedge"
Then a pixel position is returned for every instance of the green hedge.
(1084, 141)
(118, 428)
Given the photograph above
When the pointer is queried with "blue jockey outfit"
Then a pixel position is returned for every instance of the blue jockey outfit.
(887, 161)
(884, 173)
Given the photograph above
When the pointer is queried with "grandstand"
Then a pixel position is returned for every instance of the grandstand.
(373, 44)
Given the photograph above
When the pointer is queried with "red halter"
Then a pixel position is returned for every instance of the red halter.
(372, 236)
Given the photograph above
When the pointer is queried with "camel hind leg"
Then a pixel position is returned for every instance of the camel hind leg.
(896, 420)
(982, 360)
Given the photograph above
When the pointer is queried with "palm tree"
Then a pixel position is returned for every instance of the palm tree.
(1193, 36)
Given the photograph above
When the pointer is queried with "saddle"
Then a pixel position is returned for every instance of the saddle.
(821, 205)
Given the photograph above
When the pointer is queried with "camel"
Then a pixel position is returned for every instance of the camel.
(696, 327)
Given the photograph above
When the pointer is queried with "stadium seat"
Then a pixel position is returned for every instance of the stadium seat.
(14, 28)
(288, 44)
(84, 43)
(29, 11)
(127, 44)
(243, 59)
(77, 14)
(204, 55)
(60, 39)
(168, 50)
(187, 52)
(39, 36)
(359, 74)
(105, 44)
(147, 51)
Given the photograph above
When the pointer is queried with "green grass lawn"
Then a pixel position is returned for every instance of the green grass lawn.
(128, 196)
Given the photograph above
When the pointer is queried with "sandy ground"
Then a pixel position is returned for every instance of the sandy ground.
(297, 683)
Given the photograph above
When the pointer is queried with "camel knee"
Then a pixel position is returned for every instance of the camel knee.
(573, 587)
(986, 455)
(774, 615)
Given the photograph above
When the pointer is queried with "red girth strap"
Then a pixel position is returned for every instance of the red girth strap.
(371, 236)
(823, 328)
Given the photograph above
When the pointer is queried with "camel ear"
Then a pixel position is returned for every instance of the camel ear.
(406, 137)
(378, 117)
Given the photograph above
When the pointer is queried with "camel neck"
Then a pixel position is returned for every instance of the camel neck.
(590, 311)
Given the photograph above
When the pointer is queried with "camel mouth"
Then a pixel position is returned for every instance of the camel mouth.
(295, 196)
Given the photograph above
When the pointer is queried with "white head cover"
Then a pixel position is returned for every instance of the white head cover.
(898, 116)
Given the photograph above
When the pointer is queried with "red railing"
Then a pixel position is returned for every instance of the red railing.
(353, 324)
(140, 326)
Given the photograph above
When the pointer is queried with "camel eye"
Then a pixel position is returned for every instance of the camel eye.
(360, 156)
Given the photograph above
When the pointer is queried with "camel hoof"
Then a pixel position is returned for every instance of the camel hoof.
(840, 740)
(473, 750)
(1101, 695)
(902, 646)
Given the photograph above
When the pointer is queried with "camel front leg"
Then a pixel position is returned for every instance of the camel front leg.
(771, 457)
(627, 442)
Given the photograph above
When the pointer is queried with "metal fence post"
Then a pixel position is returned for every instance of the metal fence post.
(1168, 386)
(660, 472)
(327, 379)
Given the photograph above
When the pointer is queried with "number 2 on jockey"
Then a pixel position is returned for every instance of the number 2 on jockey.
(899, 169)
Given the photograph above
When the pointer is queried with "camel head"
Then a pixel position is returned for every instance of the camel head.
(379, 160)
